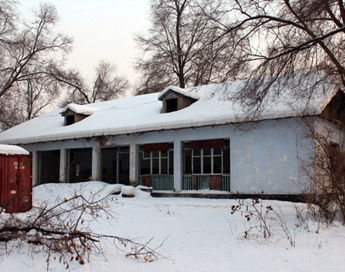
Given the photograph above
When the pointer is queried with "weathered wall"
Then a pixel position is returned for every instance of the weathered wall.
(264, 156)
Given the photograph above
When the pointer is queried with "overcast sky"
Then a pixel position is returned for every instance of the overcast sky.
(101, 30)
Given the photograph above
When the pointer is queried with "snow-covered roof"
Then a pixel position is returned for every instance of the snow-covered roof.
(185, 92)
(138, 114)
(79, 109)
(12, 150)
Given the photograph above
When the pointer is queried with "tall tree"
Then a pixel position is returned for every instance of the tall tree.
(184, 47)
(287, 37)
(27, 50)
(107, 85)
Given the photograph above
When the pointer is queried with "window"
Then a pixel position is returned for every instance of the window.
(156, 159)
(171, 105)
(69, 120)
(206, 157)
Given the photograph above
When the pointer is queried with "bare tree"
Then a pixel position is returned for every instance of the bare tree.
(286, 37)
(27, 50)
(30, 50)
(185, 48)
(108, 84)
(11, 112)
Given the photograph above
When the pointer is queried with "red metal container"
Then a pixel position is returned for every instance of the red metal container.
(15, 179)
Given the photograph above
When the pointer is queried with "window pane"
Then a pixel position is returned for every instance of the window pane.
(147, 155)
(196, 152)
(164, 166)
(155, 154)
(145, 167)
(164, 154)
(217, 151)
(171, 162)
(196, 165)
(226, 161)
(187, 145)
(171, 105)
(155, 166)
(217, 165)
(187, 162)
(207, 151)
(207, 165)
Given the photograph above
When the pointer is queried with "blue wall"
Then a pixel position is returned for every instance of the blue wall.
(264, 156)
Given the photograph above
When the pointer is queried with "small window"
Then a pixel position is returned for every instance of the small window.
(171, 105)
(69, 120)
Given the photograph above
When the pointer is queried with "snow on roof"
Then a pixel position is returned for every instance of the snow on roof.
(185, 92)
(79, 109)
(138, 114)
(12, 150)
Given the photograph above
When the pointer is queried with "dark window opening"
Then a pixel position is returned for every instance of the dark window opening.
(80, 164)
(188, 161)
(115, 165)
(226, 161)
(69, 120)
(48, 166)
(171, 105)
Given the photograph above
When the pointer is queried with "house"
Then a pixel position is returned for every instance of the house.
(184, 139)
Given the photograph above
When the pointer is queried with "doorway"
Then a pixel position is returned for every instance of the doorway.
(115, 165)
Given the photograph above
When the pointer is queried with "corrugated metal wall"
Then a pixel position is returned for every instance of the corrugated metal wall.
(15, 183)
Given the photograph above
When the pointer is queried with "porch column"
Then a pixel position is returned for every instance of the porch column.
(133, 164)
(177, 166)
(94, 163)
(63, 165)
(34, 168)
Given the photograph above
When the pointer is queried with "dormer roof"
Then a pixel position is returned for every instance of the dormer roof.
(77, 109)
(181, 92)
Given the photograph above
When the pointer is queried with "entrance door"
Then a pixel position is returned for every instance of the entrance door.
(48, 166)
(115, 165)
(80, 164)
(123, 167)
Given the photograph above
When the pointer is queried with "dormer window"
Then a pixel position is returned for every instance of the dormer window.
(171, 105)
(69, 120)
(175, 99)
(74, 113)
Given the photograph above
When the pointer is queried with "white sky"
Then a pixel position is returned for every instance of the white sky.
(101, 30)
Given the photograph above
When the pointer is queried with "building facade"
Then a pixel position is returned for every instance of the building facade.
(180, 140)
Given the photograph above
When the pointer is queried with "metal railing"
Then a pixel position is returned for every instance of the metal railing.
(226, 183)
(203, 182)
(159, 182)
(188, 182)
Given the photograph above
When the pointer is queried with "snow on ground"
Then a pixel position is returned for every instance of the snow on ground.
(198, 235)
